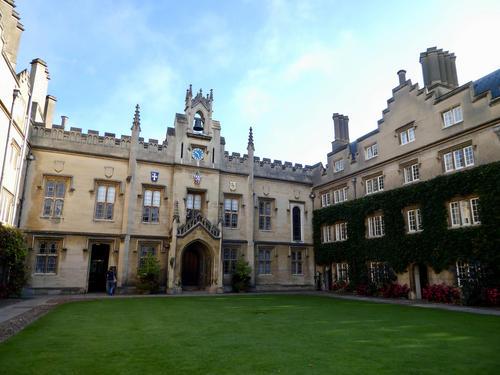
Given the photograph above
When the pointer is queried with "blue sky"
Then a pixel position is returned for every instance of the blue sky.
(282, 67)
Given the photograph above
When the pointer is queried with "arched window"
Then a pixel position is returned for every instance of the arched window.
(198, 123)
(296, 225)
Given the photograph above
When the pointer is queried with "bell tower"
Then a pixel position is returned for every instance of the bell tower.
(197, 133)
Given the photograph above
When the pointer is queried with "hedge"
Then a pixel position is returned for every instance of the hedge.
(13, 253)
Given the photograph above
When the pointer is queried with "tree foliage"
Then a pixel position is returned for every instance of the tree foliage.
(13, 252)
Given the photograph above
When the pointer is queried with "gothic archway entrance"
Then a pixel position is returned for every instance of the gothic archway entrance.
(196, 266)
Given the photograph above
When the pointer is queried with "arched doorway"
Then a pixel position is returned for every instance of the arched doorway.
(196, 267)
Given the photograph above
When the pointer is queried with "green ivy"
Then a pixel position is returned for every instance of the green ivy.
(436, 246)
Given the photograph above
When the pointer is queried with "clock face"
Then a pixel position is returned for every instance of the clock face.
(197, 154)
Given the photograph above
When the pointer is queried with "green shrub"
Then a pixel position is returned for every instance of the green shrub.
(149, 274)
(13, 252)
(241, 277)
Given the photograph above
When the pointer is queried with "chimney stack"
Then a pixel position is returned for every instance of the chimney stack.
(341, 127)
(402, 77)
(439, 69)
(48, 113)
(64, 121)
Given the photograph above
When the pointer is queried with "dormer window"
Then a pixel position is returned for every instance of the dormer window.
(452, 116)
(338, 165)
(371, 151)
(407, 136)
(198, 123)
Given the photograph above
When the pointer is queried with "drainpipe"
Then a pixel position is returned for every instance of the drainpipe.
(17, 201)
(15, 94)
(354, 186)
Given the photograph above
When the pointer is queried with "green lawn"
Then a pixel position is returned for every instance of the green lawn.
(262, 334)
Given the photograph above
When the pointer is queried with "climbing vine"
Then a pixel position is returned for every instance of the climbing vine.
(437, 245)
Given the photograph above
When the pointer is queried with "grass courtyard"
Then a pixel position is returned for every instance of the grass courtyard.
(260, 334)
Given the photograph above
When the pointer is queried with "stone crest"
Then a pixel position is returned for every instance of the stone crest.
(232, 185)
(108, 171)
(58, 166)
(197, 178)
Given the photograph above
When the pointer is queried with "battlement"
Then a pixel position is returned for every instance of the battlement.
(92, 137)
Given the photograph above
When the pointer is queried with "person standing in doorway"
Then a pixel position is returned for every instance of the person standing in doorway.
(110, 281)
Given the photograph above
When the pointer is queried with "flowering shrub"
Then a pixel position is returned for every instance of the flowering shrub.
(441, 293)
(369, 289)
(492, 296)
(340, 286)
(394, 291)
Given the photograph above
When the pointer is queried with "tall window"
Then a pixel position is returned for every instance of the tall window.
(231, 208)
(453, 116)
(458, 159)
(340, 195)
(414, 220)
(374, 185)
(105, 202)
(296, 256)
(6, 206)
(376, 226)
(296, 224)
(145, 250)
(264, 214)
(407, 136)
(53, 201)
(46, 256)
(325, 199)
(371, 151)
(338, 165)
(151, 206)
(264, 262)
(229, 260)
(411, 173)
(464, 212)
(342, 272)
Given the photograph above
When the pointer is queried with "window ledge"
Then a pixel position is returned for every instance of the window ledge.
(44, 274)
(150, 223)
(103, 220)
(452, 125)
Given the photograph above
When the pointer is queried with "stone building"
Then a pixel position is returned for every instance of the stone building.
(96, 201)
(440, 129)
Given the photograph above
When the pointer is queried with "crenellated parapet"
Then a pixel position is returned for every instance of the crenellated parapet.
(58, 137)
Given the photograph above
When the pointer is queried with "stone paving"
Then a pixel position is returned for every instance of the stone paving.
(17, 314)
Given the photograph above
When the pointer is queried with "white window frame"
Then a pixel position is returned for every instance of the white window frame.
(464, 213)
(338, 165)
(464, 270)
(458, 159)
(326, 234)
(371, 151)
(6, 206)
(326, 199)
(414, 218)
(407, 136)
(374, 185)
(376, 226)
(15, 154)
(452, 116)
(411, 173)
(340, 195)
(341, 231)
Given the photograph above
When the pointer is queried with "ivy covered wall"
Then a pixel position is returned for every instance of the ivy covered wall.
(437, 245)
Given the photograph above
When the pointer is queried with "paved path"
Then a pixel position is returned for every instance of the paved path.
(12, 310)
